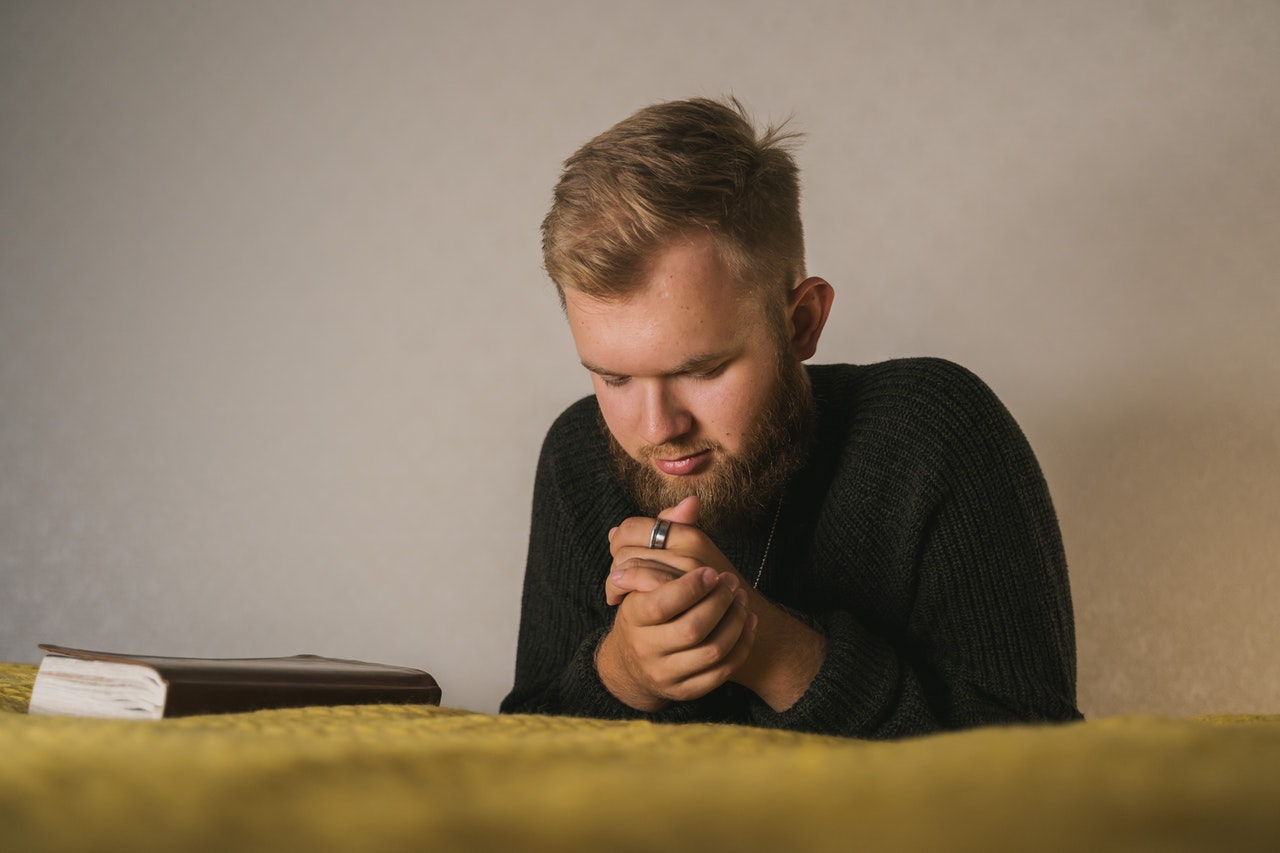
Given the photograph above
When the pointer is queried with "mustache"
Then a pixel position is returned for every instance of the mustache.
(677, 450)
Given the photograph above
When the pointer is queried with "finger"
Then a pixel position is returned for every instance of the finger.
(698, 625)
(637, 576)
(709, 679)
(671, 599)
(680, 564)
(692, 626)
(687, 548)
(636, 532)
(633, 532)
(685, 512)
(695, 672)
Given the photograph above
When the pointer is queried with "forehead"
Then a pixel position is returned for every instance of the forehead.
(687, 306)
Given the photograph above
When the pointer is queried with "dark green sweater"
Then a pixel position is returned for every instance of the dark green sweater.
(919, 539)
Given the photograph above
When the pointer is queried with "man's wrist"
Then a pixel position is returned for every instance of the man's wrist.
(787, 656)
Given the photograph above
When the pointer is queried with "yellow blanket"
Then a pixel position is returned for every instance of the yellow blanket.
(418, 778)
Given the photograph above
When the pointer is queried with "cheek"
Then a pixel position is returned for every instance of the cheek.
(618, 417)
(726, 414)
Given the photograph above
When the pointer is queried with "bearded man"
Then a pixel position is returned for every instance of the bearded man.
(724, 534)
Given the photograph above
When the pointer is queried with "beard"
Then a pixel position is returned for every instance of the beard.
(736, 490)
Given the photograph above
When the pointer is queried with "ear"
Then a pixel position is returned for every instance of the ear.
(808, 307)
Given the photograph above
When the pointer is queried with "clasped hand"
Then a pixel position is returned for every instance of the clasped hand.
(684, 624)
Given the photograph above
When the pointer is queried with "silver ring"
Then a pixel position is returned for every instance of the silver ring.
(658, 538)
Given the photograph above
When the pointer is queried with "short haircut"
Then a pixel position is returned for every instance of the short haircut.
(667, 170)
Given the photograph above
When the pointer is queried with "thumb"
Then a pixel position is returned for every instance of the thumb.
(685, 512)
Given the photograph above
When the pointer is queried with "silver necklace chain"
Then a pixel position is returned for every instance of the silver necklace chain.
(755, 584)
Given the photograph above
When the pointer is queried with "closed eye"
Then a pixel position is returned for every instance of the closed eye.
(710, 373)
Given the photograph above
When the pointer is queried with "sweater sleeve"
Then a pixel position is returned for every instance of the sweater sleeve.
(985, 633)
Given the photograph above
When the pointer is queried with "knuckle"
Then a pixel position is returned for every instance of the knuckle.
(724, 644)
(650, 610)
(695, 688)
(686, 689)
(633, 612)
(665, 683)
(706, 656)
(637, 524)
(683, 693)
(687, 634)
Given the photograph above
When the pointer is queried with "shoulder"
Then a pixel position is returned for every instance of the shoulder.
(576, 437)
(906, 390)
(918, 411)
(906, 383)
(578, 422)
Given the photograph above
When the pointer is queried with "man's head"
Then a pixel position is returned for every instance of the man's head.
(675, 242)
(668, 170)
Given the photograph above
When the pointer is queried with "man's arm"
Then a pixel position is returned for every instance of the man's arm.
(787, 656)
(832, 674)
(934, 568)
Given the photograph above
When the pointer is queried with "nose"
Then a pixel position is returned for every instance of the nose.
(664, 417)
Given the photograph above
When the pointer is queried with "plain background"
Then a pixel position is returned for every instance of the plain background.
(277, 354)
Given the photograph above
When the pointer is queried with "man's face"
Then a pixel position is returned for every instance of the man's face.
(696, 386)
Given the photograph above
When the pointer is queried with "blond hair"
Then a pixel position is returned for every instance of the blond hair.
(667, 170)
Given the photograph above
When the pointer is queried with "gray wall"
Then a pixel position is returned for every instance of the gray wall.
(276, 354)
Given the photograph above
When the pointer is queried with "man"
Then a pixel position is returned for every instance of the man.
(724, 534)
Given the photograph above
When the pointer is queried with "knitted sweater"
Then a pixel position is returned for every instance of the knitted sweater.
(919, 538)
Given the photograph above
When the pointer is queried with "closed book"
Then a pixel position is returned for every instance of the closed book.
(83, 683)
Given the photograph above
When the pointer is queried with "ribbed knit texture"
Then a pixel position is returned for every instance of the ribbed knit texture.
(920, 539)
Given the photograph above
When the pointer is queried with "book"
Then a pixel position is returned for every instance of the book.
(83, 683)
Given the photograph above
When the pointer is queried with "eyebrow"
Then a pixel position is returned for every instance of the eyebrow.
(686, 366)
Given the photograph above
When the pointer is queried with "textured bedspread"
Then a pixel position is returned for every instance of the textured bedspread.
(417, 778)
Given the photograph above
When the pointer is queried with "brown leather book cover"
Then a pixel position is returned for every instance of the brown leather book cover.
(229, 685)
